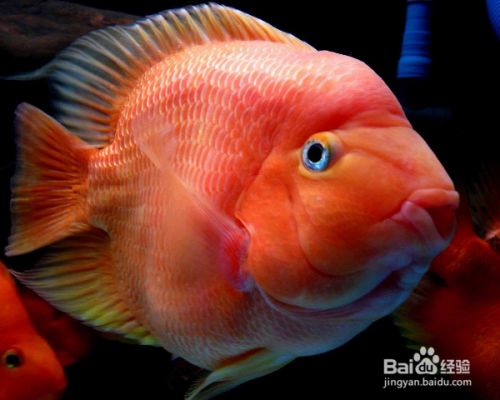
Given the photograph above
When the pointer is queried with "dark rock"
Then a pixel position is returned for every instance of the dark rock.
(33, 31)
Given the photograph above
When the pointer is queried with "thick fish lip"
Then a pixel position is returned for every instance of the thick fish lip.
(380, 301)
(430, 215)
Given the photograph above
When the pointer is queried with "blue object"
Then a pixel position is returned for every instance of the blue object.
(494, 14)
(415, 60)
(316, 156)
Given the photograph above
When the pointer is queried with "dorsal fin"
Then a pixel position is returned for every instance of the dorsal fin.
(94, 75)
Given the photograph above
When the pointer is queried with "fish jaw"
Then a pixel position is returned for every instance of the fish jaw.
(421, 229)
(381, 301)
(405, 270)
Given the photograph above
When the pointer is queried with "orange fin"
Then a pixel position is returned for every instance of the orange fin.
(94, 75)
(77, 278)
(49, 188)
(232, 373)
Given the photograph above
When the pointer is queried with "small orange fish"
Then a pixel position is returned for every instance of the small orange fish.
(29, 369)
(68, 338)
(224, 190)
(457, 307)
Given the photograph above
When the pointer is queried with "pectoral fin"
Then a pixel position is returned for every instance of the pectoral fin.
(207, 229)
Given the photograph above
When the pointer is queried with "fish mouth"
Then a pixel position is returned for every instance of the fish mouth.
(428, 220)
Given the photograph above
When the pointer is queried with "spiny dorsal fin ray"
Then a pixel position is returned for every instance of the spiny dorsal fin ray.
(76, 278)
(94, 75)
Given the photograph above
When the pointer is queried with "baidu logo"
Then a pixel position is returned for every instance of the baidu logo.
(425, 362)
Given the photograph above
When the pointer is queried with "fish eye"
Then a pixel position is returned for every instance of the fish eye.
(12, 358)
(316, 155)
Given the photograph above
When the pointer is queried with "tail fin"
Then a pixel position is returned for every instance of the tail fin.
(49, 188)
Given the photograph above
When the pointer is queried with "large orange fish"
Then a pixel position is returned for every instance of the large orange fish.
(29, 369)
(224, 190)
(456, 308)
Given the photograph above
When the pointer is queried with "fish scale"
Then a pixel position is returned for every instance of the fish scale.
(199, 155)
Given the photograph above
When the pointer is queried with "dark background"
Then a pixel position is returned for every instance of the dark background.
(460, 123)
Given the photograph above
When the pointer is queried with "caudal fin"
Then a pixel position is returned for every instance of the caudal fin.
(50, 185)
(48, 205)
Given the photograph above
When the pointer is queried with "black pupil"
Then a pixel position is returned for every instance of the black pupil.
(315, 152)
(12, 360)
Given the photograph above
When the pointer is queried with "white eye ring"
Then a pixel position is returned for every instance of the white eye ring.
(316, 155)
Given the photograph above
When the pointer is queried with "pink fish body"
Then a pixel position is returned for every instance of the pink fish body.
(239, 198)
